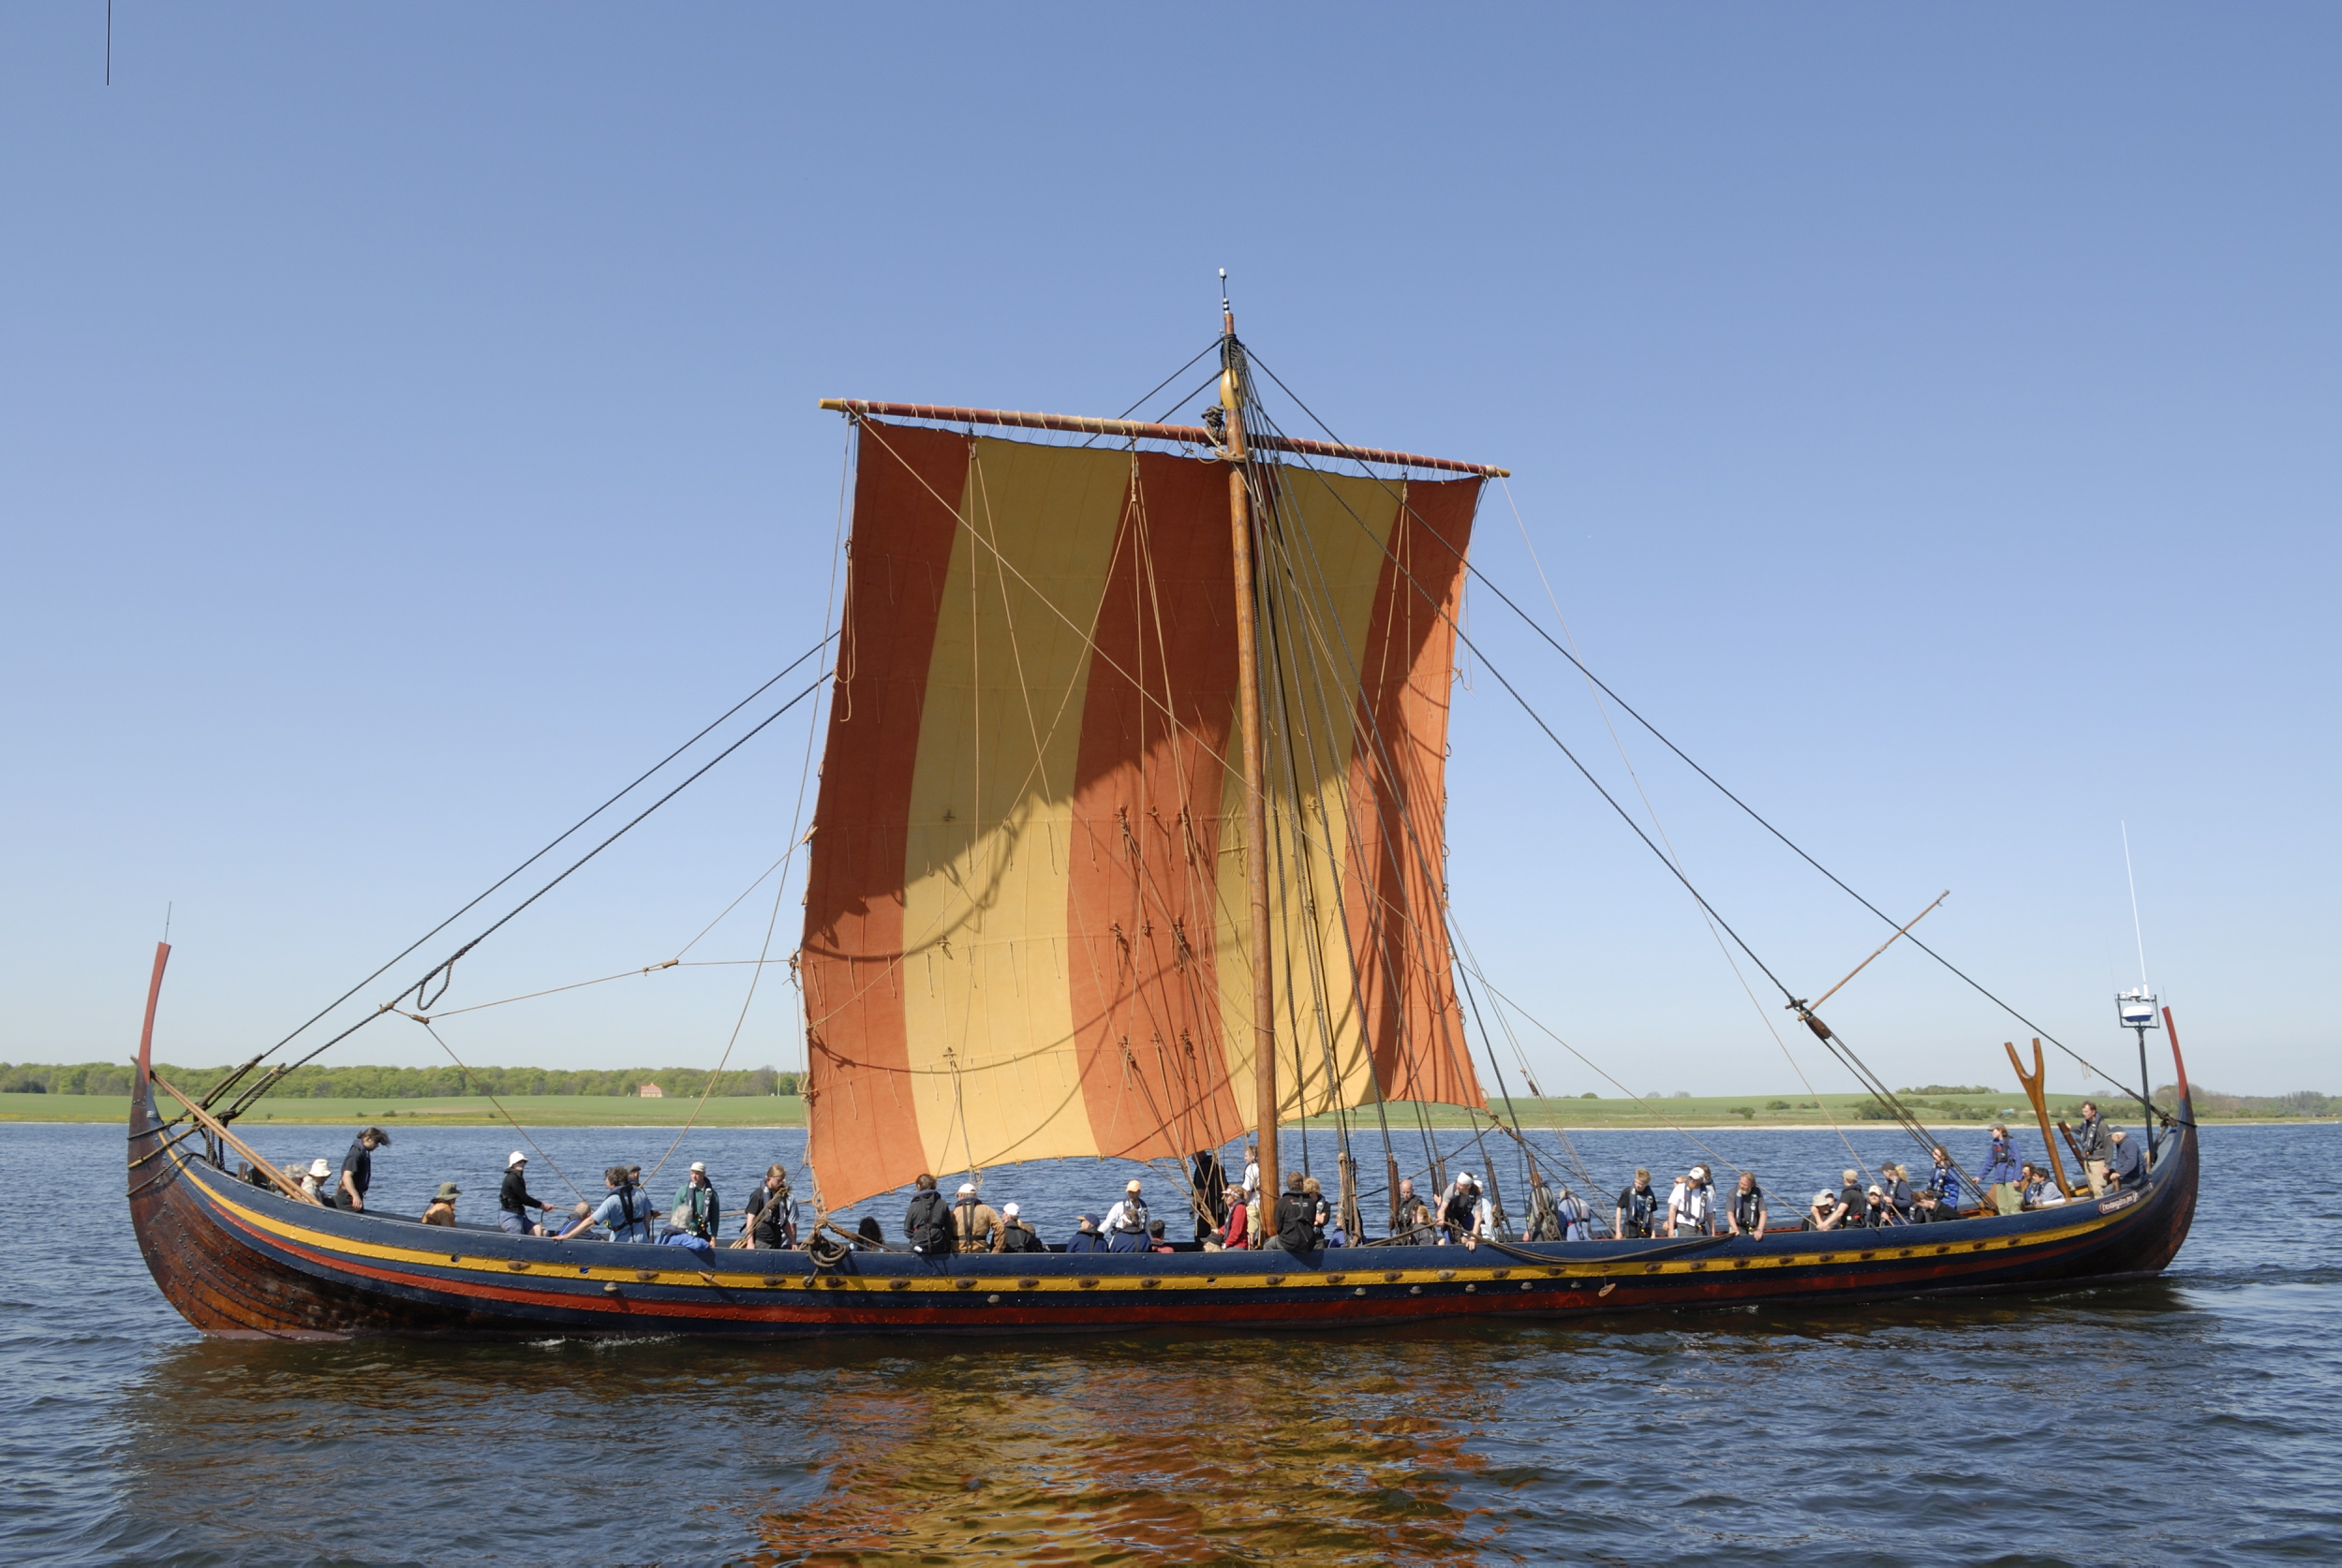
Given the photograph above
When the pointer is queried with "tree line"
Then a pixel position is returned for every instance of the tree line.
(404, 1083)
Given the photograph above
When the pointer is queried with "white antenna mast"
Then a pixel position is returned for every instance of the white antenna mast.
(2137, 931)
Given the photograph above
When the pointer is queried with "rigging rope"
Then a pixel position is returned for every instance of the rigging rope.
(1764, 1013)
(1752, 812)
(498, 1103)
(416, 989)
(222, 1087)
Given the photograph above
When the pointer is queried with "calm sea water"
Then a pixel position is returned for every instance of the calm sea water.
(2196, 1419)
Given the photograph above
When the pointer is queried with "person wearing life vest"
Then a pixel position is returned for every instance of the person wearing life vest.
(1016, 1236)
(2095, 1147)
(1464, 1215)
(1850, 1199)
(1638, 1215)
(1897, 1185)
(1877, 1212)
(1747, 1212)
(1296, 1218)
(514, 1200)
(1545, 1212)
(770, 1222)
(1999, 1175)
(1085, 1237)
(1943, 1183)
(975, 1228)
(927, 1221)
(1125, 1227)
(1692, 1205)
(697, 1209)
(621, 1213)
(1572, 1216)
(1411, 1217)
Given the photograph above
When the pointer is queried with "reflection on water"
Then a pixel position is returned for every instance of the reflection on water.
(1166, 1454)
(1076, 1451)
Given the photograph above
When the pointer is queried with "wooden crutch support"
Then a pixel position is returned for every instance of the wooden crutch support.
(2040, 1108)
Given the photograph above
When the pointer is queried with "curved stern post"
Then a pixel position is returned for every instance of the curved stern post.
(142, 1113)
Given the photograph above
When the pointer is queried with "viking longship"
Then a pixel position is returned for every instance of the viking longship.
(1130, 841)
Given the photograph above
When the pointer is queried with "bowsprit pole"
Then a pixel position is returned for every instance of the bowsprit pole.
(1255, 783)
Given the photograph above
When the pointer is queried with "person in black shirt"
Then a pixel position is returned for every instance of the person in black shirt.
(1639, 1207)
(770, 1221)
(358, 1169)
(513, 1201)
(1017, 1236)
(1748, 1206)
(1850, 1198)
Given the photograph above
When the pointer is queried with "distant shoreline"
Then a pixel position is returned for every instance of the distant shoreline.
(1705, 1114)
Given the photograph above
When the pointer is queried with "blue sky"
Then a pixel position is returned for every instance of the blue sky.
(1927, 416)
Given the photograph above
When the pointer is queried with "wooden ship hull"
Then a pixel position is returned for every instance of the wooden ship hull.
(246, 1262)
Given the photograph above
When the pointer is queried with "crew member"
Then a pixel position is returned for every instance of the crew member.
(975, 1228)
(2095, 1147)
(1016, 1236)
(513, 1200)
(2001, 1189)
(1748, 1206)
(771, 1221)
(621, 1213)
(2127, 1164)
(441, 1209)
(1637, 1213)
(697, 1208)
(358, 1169)
(1125, 1227)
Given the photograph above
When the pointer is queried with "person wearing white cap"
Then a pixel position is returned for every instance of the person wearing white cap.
(976, 1224)
(1691, 1205)
(1126, 1226)
(513, 1201)
(696, 1207)
(1016, 1236)
(312, 1181)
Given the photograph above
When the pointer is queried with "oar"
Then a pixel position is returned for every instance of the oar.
(2040, 1108)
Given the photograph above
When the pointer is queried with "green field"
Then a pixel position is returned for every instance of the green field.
(581, 1110)
(534, 1110)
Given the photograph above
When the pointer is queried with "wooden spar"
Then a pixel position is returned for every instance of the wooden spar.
(1255, 780)
(1193, 435)
(218, 1129)
(2040, 1108)
(1881, 947)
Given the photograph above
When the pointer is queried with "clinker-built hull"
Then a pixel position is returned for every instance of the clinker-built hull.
(237, 1260)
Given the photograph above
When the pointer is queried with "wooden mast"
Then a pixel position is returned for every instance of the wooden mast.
(1255, 780)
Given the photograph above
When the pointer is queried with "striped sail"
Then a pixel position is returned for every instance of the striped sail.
(1027, 933)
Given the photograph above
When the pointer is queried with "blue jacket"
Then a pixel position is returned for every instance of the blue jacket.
(2128, 1159)
(1944, 1182)
(2000, 1163)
